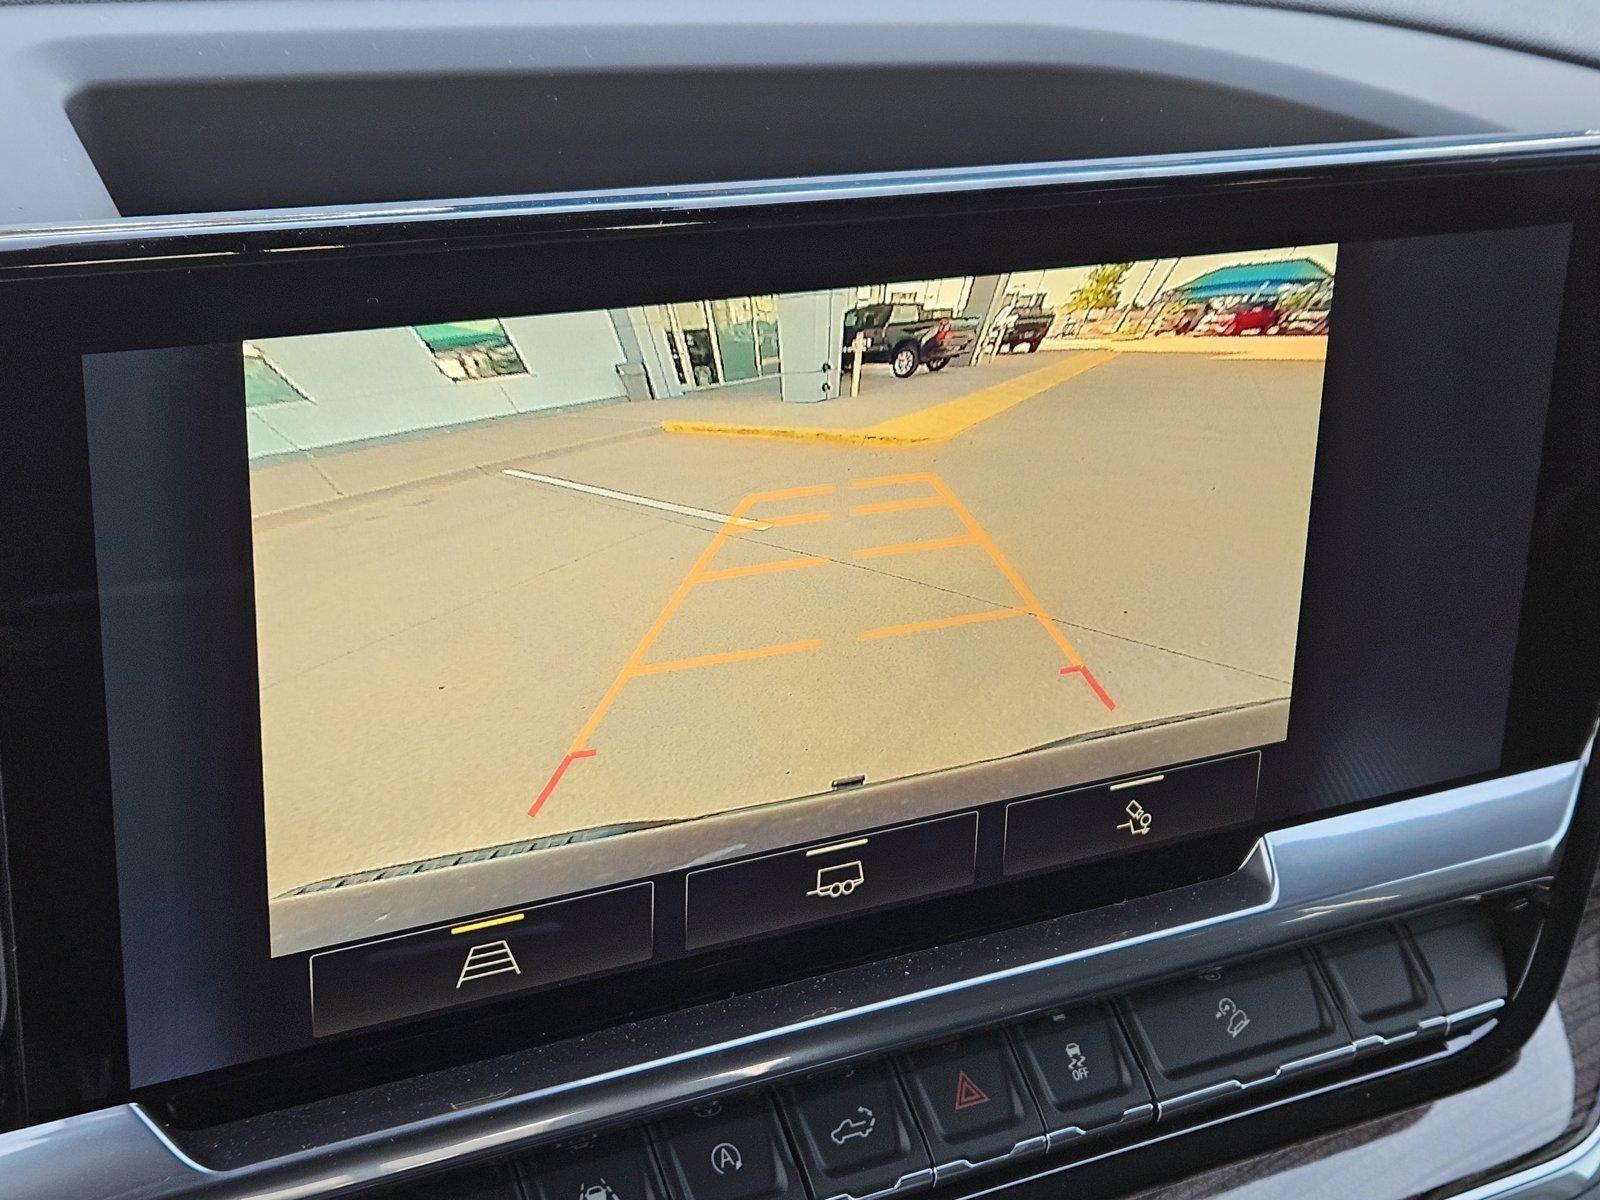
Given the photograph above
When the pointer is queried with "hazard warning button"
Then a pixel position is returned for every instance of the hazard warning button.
(972, 1103)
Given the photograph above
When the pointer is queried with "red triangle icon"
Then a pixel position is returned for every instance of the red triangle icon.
(969, 1094)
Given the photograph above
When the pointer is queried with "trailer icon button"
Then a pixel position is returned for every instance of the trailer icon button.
(839, 880)
(737, 900)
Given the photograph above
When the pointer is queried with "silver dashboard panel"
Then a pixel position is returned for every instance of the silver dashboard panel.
(1297, 883)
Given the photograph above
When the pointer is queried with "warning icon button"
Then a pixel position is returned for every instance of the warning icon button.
(968, 1094)
(971, 1100)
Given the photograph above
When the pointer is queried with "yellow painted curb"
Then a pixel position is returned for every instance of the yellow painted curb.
(936, 423)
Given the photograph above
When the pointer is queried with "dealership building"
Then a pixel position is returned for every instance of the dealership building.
(323, 390)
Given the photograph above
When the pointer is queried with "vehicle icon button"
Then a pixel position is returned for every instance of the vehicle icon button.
(859, 1126)
(1082, 1071)
(853, 1130)
(762, 895)
(614, 1165)
(1237, 1023)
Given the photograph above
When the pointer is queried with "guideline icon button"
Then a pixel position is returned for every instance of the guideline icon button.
(488, 960)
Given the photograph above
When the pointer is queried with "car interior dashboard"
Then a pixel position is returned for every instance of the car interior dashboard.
(691, 602)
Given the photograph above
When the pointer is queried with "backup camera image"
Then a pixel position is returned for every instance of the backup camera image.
(550, 602)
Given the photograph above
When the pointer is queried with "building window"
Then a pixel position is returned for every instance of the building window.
(264, 383)
(466, 350)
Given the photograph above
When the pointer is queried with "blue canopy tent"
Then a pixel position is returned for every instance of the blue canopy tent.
(1251, 279)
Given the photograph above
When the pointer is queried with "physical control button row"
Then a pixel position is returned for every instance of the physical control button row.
(885, 1128)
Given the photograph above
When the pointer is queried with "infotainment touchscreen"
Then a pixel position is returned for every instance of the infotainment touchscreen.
(508, 637)
(592, 595)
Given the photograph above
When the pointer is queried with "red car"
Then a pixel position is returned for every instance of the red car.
(1260, 316)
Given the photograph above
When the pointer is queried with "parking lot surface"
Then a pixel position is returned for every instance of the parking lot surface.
(581, 620)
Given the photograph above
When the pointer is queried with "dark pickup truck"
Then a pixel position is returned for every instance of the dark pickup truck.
(1028, 324)
(907, 336)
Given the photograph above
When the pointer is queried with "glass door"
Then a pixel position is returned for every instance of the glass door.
(734, 323)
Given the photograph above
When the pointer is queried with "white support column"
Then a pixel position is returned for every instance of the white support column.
(650, 331)
(810, 333)
(984, 302)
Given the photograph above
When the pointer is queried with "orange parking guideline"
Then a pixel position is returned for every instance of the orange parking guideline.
(939, 495)
(995, 614)
(727, 656)
(806, 518)
(1029, 600)
(635, 665)
(782, 564)
(948, 543)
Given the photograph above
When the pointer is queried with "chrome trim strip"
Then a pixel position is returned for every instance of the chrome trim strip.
(910, 1182)
(1303, 882)
(674, 202)
(1070, 1135)
(1295, 1066)
(946, 1171)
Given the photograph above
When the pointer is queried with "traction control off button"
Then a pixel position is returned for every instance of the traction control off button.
(1082, 1071)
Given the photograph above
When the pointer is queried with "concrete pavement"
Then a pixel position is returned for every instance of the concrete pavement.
(432, 645)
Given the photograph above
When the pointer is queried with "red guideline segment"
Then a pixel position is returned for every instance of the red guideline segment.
(550, 786)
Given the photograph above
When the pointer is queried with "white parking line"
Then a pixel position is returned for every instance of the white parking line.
(646, 501)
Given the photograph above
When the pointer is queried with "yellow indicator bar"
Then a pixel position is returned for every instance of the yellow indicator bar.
(489, 924)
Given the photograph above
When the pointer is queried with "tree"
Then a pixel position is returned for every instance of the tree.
(1103, 288)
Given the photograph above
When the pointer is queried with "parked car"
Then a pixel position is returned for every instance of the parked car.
(907, 336)
(1026, 327)
(1181, 319)
(1305, 320)
(1257, 316)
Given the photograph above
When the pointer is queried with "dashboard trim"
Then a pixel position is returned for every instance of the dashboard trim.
(1302, 882)
(141, 240)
